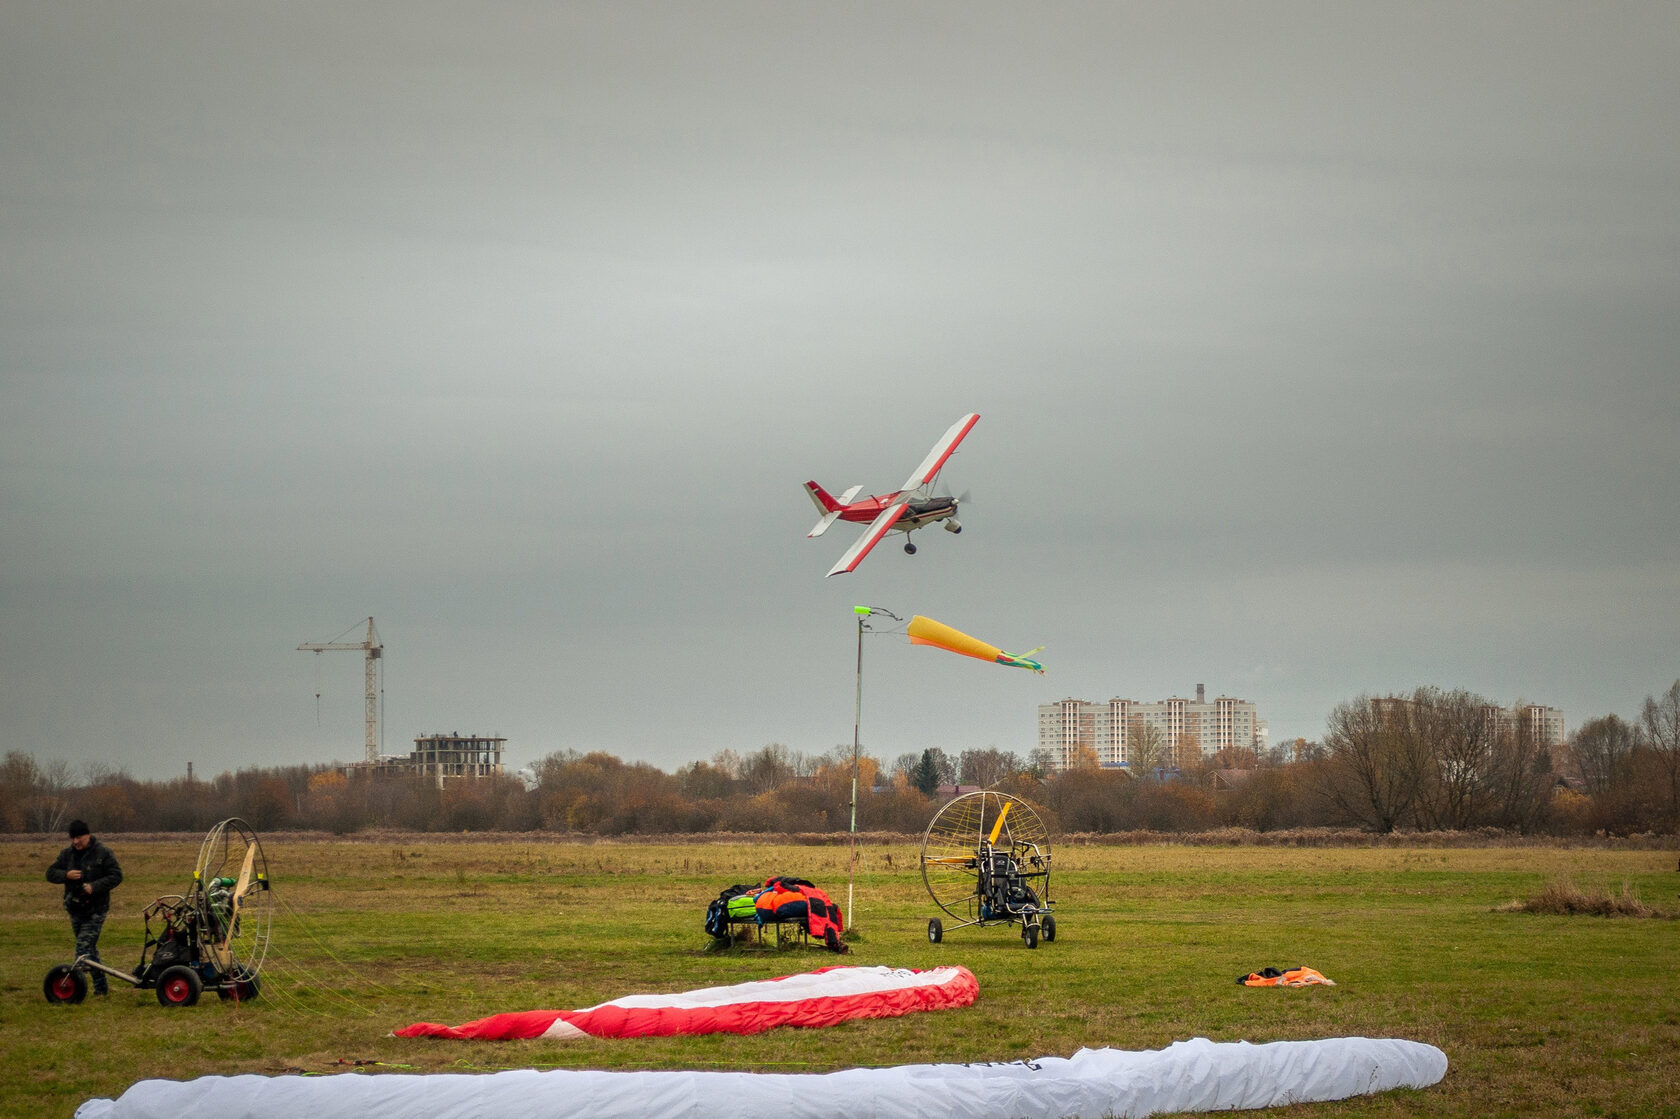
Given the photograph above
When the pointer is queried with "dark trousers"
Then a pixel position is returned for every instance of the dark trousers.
(86, 927)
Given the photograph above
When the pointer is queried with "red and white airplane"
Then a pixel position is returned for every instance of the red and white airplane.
(904, 510)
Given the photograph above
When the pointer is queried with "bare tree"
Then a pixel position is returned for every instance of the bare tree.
(1659, 724)
(1374, 767)
(100, 772)
(49, 807)
(1453, 734)
(987, 767)
(18, 777)
(769, 767)
(1520, 778)
(1601, 752)
(1146, 749)
(1238, 757)
(728, 762)
(1187, 752)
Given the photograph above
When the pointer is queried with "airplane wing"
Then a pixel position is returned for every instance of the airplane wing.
(879, 527)
(941, 451)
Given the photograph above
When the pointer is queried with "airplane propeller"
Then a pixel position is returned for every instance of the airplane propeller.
(944, 490)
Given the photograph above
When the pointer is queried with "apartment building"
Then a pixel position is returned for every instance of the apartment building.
(1111, 730)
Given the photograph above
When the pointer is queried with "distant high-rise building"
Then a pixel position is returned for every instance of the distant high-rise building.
(1540, 724)
(1546, 723)
(1111, 731)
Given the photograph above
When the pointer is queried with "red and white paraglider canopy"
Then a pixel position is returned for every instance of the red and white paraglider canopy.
(816, 998)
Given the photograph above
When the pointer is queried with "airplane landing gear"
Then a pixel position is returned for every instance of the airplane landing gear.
(909, 548)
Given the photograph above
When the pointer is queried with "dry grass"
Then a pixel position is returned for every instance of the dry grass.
(1565, 899)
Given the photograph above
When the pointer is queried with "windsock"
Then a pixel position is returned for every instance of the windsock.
(926, 631)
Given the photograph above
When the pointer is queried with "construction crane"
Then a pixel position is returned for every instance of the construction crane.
(373, 648)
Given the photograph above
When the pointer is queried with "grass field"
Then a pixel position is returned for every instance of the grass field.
(1548, 1015)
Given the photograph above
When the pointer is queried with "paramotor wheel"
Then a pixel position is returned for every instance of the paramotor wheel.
(951, 846)
(65, 983)
(179, 986)
(1049, 927)
(1029, 933)
(239, 987)
(231, 893)
(936, 931)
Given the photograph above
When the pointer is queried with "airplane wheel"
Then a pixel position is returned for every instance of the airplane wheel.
(65, 984)
(936, 931)
(909, 548)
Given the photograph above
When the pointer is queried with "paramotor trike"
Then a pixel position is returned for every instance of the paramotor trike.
(986, 860)
(215, 935)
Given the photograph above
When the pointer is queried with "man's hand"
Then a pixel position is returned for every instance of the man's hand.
(86, 889)
(73, 875)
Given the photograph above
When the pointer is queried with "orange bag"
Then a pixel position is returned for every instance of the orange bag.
(1294, 977)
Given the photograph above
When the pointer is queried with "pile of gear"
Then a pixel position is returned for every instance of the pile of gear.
(781, 900)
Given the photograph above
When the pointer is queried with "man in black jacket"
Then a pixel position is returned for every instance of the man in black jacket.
(88, 872)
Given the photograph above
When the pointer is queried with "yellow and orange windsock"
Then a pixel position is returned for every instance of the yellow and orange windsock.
(926, 631)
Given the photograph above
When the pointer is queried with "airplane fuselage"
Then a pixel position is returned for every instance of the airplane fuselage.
(918, 511)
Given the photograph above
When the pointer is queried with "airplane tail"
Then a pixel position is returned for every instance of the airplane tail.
(821, 498)
(827, 505)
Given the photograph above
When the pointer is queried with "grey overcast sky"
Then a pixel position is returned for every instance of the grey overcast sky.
(1320, 349)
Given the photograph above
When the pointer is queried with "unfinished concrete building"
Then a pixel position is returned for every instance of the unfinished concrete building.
(457, 755)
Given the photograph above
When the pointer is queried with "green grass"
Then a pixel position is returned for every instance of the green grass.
(1538, 1014)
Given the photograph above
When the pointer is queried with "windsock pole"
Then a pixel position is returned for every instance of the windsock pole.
(862, 612)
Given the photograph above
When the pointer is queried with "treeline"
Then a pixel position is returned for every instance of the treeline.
(1426, 760)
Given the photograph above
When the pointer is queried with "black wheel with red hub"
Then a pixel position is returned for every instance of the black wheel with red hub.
(65, 984)
(179, 986)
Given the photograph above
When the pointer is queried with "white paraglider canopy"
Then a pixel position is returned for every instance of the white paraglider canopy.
(1196, 1075)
